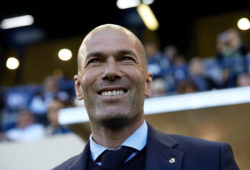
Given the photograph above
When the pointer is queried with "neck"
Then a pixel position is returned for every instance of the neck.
(113, 138)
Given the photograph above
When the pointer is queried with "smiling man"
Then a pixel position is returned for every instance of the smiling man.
(113, 81)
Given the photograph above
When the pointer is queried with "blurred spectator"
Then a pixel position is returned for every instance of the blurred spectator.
(186, 86)
(1, 108)
(169, 54)
(197, 74)
(40, 101)
(168, 68)
(231, 53)
(180, 68)
(54, 128)
(230, 45)
(247, 63)
(26, 129)
(243, 80)
(177, 72)
(213, 70)
(159, 88)
(154, 57)
(228, 79)
(17, 98)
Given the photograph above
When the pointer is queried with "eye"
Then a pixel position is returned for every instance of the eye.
(93, 60)
(128, 58)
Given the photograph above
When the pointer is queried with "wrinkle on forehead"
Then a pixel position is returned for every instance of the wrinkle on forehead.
(112, 29)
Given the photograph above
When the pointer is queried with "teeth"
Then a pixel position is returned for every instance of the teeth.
(112, 93)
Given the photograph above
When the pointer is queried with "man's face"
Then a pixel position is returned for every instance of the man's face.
(53, 111)
(112, 79)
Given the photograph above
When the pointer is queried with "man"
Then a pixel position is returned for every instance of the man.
(113, 81)
(54, 128)
(26, 130)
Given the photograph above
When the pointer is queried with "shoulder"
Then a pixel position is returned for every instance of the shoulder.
(76, 162)
(37, 126)
(173, 140)
(191, 146)
(193, 143)
(211, 152)
(196, 150)
(68, 163)
(183, 142)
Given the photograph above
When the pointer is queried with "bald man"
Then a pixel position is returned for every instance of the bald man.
(113, 81)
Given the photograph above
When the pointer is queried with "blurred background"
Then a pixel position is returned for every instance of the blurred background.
(200, 48)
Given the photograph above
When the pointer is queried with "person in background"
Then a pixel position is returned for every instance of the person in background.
(26, 130)
(39, 102)
(159, 88)
(113, 80)
(154, 58)
(54, 128)
(180, 68)
(230, 45)
(186, 86)
(232, 56)
(169, 52)
(198, 76)
(243, 80)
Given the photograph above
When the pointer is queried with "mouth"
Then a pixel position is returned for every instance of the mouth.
(112, 91)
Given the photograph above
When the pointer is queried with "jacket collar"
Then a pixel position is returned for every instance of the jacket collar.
(81, 162)
(161, 151)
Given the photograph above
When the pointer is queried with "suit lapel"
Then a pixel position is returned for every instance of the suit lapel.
(161, 152)
(81, 162)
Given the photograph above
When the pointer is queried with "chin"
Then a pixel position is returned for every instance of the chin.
(115, 122)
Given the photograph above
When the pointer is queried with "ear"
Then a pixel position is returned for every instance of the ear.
(148, 84)
(78, 87)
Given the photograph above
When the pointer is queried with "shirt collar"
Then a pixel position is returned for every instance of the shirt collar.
(137, 141)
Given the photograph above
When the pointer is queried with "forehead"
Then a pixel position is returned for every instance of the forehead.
(109, 41)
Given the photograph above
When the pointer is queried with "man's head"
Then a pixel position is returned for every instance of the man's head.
(25, 119)
(53, 110)
(50, 84)
(112, 76)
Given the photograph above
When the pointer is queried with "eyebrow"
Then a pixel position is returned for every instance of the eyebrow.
(93, 54)
(126, 52)
(119, 52)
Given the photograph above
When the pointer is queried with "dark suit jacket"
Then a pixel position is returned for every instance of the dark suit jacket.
(172, 152)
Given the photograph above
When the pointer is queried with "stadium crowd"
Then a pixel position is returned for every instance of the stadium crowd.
(29, 112)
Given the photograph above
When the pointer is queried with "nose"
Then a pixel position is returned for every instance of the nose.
(111, 70)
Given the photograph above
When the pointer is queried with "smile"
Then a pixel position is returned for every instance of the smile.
(112, 92)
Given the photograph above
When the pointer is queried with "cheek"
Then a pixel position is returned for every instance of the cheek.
(88, 78)
(136, 75)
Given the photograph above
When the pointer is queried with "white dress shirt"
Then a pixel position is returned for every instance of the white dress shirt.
(137, 140)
